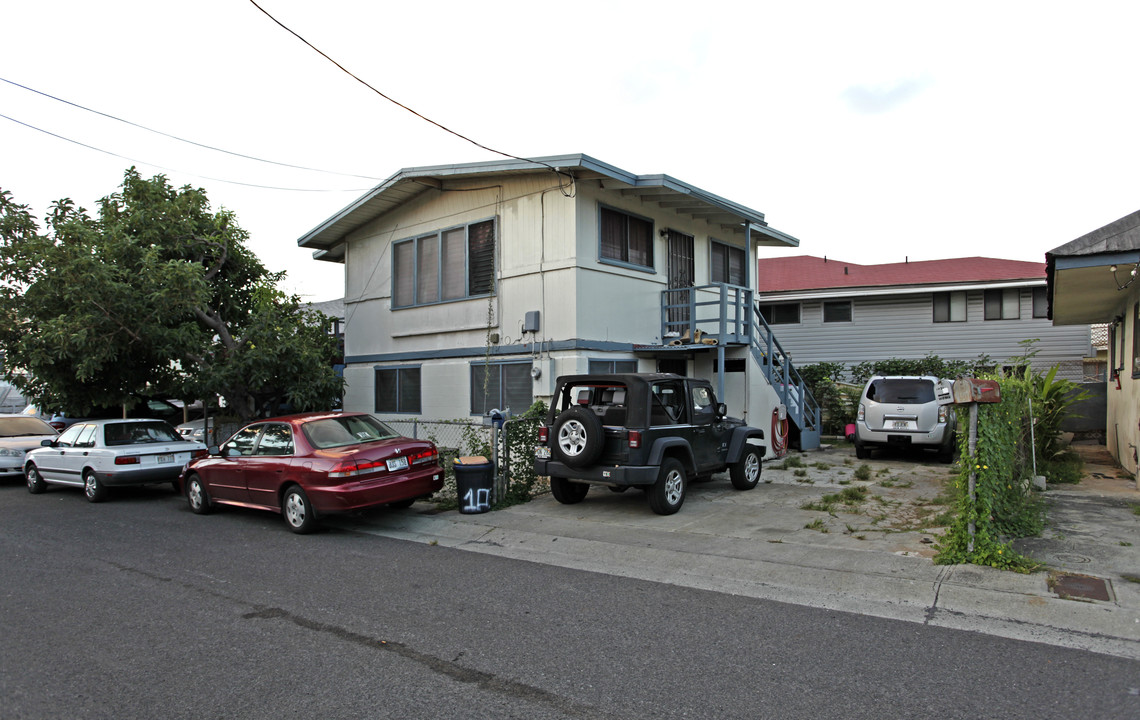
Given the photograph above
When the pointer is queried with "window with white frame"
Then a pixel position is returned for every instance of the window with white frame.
(501, 386)
(398, 390)
(452, 264)
(1003, 304)
(626, 238)
(836, 311)
(727, 264)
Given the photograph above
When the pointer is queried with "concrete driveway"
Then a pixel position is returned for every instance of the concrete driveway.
(823, 531)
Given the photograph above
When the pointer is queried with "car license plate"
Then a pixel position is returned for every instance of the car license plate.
(164, 458)
(542, 452)
(397, 463)
(900, 424)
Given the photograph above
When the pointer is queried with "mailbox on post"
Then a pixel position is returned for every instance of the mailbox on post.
(973, 390)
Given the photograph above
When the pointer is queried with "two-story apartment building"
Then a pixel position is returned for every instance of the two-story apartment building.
(829, 310)
(472, 287)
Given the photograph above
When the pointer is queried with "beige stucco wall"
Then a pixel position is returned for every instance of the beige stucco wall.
(1123, 431)
(547, 260)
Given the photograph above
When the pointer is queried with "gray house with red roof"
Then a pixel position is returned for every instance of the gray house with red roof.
(828, 310)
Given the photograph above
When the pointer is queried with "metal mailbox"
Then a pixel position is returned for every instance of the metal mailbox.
(974, 390)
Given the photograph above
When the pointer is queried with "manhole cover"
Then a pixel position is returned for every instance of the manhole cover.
(1086, 587)
(1071, 558)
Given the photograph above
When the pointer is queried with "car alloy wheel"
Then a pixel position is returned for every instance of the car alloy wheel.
(36, 484)
(668, 493)
(745, 474)
(196, 496)
(94, 490)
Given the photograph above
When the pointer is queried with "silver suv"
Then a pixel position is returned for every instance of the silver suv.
(897, 411)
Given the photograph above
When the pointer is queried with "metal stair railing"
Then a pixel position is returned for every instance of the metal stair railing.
(782, 375)
(728, 314)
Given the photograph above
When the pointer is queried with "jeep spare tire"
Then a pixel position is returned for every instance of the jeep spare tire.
(578, 437)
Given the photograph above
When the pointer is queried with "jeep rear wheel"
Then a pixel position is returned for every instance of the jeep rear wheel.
(578, 437)
(668, 493)
(566, 492)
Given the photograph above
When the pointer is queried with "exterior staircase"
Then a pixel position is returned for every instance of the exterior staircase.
(726, 318)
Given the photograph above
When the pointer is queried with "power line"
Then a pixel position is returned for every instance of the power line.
(160, 167)
(180, 139)
(346, 71)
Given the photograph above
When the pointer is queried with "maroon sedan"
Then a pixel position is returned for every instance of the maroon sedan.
(306, 466)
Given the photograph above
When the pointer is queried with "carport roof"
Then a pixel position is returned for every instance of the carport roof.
(327, 239)
(1082, 285)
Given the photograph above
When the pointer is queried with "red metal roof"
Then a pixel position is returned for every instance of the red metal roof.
(807, 272)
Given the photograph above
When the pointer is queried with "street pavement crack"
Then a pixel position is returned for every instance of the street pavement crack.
(933, 608)
(449, 669)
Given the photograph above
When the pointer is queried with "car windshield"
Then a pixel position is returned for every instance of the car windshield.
(346, 430)
(139, 433)
(908, 392)
(24, 426)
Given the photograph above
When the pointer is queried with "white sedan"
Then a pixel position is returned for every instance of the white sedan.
(97, 454)
(18, 435)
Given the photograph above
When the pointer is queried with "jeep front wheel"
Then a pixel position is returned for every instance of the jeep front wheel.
(667, 494)
(578, 437)
(745, 473)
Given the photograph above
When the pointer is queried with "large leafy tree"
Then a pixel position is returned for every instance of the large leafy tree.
(157, 295)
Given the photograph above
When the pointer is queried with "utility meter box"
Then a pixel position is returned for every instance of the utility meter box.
(973, 390)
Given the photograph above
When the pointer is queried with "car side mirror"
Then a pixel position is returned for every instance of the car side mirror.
(721, 410)
(47, 443)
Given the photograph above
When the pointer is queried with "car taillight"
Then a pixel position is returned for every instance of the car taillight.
(635, 438)
(862, 412)
(199, 454)
(58, 425)
(127, 460)
(543, 434)
(346, 468)
(427, 457)
(943, 412)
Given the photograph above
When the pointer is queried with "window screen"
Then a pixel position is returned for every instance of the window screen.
(837, 311)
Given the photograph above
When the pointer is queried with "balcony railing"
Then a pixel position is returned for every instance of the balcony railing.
(718, 311)
(728, 314)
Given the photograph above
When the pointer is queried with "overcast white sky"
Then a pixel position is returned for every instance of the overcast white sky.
(871, 131)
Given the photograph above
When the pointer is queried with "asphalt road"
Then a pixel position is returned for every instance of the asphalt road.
(136, 608)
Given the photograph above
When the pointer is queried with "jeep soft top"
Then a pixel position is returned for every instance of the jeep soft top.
(652, 430)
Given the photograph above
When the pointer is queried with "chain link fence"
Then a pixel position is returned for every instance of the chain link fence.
(454, 438)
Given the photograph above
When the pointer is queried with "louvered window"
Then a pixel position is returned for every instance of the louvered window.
(454, 264)
(501, 386)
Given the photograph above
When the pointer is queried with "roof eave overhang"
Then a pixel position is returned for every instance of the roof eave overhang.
(1083, 289)
(327, 239)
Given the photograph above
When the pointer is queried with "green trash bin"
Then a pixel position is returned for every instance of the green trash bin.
(474, 483)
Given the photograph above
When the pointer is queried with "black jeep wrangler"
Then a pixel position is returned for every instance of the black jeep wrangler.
(654, 431)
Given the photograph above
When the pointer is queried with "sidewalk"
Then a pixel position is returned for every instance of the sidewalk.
(871, 557)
